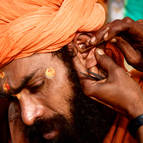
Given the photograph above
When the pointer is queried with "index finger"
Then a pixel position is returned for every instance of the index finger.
(105, 61)
(110, 30)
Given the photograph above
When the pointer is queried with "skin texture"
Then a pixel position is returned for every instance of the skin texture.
(128, 37)
(56, 106)
(34, 107)
(118, 91)
(126, 34)
(112, 90)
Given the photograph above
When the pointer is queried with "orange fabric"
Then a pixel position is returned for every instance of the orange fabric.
(119, 133)
(39, 26)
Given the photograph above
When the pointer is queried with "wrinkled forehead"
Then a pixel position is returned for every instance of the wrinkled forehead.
(15, 72)
(23, 66)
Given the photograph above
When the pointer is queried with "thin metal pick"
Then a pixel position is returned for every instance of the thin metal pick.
(95, 76)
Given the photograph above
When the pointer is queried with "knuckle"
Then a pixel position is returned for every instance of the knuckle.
(120, 25)
(127, 20)
(134, 60)
(116, 21)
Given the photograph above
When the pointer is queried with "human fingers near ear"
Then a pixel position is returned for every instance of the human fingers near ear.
(113, 90)
(110, 30)
(119, 26)
(119, 90)
(80, 67)
(15, 124)
(133, 56)
(128, 28)
(103, 86)
(101, 91)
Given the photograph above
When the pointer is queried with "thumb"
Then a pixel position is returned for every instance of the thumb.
(105, 61)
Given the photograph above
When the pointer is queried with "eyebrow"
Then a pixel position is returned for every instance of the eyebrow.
(12, 91)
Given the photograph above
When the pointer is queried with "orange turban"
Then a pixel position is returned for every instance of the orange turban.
(40, 26)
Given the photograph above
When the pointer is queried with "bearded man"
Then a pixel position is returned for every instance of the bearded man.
(37, 74)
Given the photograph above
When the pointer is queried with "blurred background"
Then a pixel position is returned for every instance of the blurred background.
(118, 9)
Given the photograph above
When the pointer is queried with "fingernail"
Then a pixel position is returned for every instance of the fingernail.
(106, 29)
(114, 40)
(100, 51)
(93, 40)
(82, 46)
(106, 36)
(78, 42)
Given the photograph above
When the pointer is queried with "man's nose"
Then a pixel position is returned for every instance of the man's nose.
(31, 109)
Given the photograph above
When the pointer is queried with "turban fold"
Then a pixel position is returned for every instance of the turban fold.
(40, 26)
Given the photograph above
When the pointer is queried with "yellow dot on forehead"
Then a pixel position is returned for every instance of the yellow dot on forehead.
(50, 73)
(2, 74)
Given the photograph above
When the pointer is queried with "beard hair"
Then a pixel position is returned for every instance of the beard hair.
(58, 122)
(91, 120)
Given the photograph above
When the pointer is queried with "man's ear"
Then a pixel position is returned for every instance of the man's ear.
(90, 59)
(83, 61)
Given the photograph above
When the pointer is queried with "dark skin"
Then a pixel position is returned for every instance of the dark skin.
(44, 100)
(127, 35)
(112, 80)
(31, 110)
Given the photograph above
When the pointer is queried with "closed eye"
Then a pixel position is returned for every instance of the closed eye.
(36, 87)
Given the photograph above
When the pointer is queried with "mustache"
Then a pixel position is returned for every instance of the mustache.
(41, 126)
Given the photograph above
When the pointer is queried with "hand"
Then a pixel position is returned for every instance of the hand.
(16, 125)
(118, 91)
(129, 39)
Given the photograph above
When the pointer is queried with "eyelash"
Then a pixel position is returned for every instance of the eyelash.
(35, 88)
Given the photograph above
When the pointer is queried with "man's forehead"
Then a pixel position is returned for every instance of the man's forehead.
(19, 68)
(16, 71)
(15, 74)
(28, 64)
